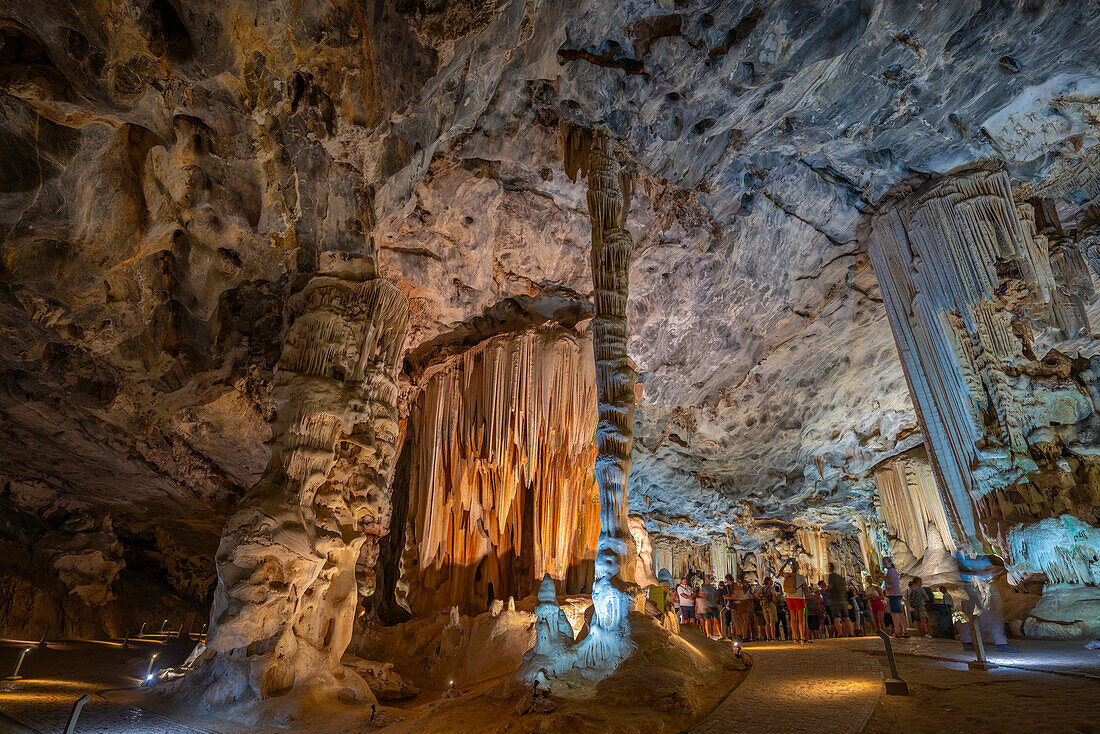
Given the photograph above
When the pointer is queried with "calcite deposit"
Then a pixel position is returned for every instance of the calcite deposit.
(322, 318)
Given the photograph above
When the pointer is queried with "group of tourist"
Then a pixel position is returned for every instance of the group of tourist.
(789, 607)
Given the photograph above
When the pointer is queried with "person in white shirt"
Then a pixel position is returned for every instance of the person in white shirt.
(685, 600)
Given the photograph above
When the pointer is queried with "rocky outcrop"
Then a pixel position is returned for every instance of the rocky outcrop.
(970, 276)
(287, 595)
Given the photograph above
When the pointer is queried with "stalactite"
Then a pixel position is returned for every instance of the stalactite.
(286, 597)
(815, 543)
(723, 558)
(501, 485)
(909, 503)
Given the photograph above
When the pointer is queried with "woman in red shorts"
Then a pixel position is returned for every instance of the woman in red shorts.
(794, 587)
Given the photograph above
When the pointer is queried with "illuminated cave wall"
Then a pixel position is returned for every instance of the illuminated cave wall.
(500, 479)
(680, 555)
(989, 297)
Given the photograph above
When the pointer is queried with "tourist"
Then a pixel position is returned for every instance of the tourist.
(782, 623)
(724, 592)
(872, 592)
(768, 599)
(733, 599)
(685, 601)
(814, 612)
(917, 608)
(855, 610)
(826, 613)
(794, 587)
(710, 608)
(893, 594)
(700, 609)
(947, 600)
(838, 601)
(757, 610)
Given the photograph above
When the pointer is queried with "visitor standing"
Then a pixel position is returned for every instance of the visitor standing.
(838, 600)
(724, 592)
(685, 601)
(893, 595)
(855, 609)
(813, 611)
(877, 601)
(768, 600)
(710, 608)
(826, 613)
(917, 607)
(782, 621)
(794, 588)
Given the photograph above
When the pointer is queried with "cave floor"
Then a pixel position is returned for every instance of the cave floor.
(829, 686)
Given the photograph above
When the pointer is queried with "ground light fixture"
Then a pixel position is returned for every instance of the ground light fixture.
(149, 675)
(18, 664)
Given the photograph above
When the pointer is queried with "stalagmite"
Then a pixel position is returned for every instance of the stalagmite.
(286, 596)
(501, 485)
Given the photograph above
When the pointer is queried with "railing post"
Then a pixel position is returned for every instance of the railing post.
(76, 713)
(895, 686)
(979, 646)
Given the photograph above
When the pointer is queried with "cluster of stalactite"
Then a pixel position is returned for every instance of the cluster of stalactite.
(909, 503)
(501, 488)
(286, 597)
(680, 556)
(723, 558)
(813, 543)
(972, 278)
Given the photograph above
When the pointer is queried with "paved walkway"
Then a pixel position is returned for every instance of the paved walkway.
(821, 687)
(47, 712)
(56, 677)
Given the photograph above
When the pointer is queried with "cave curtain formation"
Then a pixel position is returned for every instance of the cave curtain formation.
(286, 597)
(973, 275)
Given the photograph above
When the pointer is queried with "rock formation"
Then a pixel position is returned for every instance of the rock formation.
(501, 485)
(970, 280)
(609, 188)
(286, 597)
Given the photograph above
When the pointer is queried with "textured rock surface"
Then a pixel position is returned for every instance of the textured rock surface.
(175, 172)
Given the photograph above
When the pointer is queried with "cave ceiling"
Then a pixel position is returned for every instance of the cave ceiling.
(173, 172)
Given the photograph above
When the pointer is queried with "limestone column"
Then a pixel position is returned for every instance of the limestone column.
(591, 154)
(286, 596)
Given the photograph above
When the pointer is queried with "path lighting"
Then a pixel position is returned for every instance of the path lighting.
(895, 686)
(18, 664)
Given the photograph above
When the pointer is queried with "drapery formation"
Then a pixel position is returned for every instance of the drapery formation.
(910, 504)
(501, 484)
(977, 286)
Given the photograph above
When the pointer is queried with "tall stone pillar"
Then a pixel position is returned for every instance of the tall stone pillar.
(975, 283)
(612, 248)
(286, 597)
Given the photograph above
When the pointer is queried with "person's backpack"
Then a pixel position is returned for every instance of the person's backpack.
(790, 584)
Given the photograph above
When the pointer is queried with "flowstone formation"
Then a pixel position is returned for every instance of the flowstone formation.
(500, 483)
(978, 285)
(286, 597)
